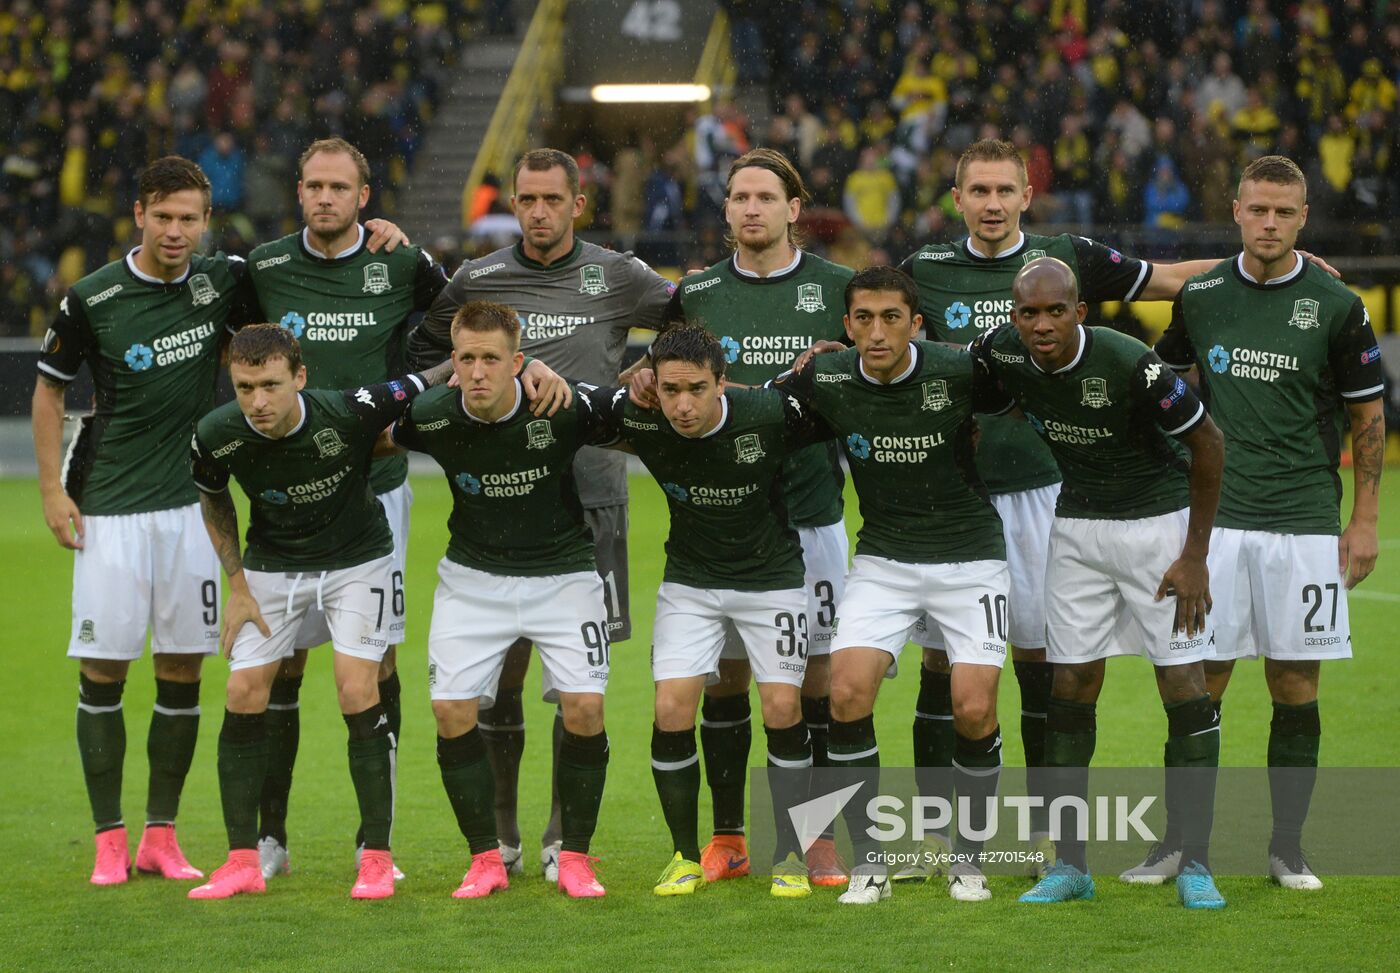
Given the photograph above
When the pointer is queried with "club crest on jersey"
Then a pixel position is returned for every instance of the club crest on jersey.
(748, 448)
(590, 279)
(86, 632)
(1095, 393)
(539, 434)
(1031, 255)
(809, 298)
(202, 290)
(1305, 314)
(376, 278)
(936, 396)
(328, 443)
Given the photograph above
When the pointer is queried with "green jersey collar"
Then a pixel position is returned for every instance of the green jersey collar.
(563, 261)
(519, 397)
(1085, 336)
(301, 404)
(1299, 265)
(146, 278)
(350, 251)
(914, 355)
(972, 251)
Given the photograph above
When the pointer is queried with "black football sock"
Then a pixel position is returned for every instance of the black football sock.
(368, 747)
(1034, 678)
(726, 733)
(283, 739)
(554, 830)
(242, 766)
(675, 766)
(934, 737)
(852, 747)
(789, 767)
(170, 747)
(470, 786)
(102, 748)
(582, 773)
(503, 727)
(1295, 735)
(390, 691)
(976, 772)
(1193, 758)
(1071, 732)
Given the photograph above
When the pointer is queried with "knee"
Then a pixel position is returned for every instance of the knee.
(103, 670)
(673, 712)
(177, 668)
(1078, 683)
(454, 717)
(782, 709)
(974, 714)
(849, 701)
(583, 714)
(245, 694)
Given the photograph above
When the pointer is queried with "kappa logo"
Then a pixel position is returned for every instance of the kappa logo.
(1305, 314)
(1095, 393)
(1032, 255)
(730, 348)
(937, 255)
(275, 497)
(676, 492)
(294, 323)
(957, 315)
(63, 306)
(483, 271)
(748, 448)
(328, 442)
(834, 376)
(935, 396)
(700, 285)
(1204, 285)
(809, 298)
(539, 434)
(87, 632)
(591, 279)
(270, 262)
(96, 299)
(435, 425)
(858, 446)
(364, 397)
(1151, 372)
(376, 278)
(226, 449)
(1002, 356)
(139, 357)
(202, 290)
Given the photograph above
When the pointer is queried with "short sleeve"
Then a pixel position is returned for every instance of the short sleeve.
(62, 352)
(1161, 393)
(428, 281)
(1174, 347)
(1107, 275)
(674, 314)
(1355, 357)
(801, 426)
(210, 475)
(654, 295)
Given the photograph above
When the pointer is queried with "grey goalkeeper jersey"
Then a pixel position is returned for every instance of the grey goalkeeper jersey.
(574, 316)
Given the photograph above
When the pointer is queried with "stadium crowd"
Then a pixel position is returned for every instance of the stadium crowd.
(89, 93)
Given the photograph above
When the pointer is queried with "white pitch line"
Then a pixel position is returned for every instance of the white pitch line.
(1373, 595)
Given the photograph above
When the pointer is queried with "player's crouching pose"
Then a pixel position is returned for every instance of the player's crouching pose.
(318, 538)
(931, 543)
(732, 560)
(519, 565)
(1131, 530)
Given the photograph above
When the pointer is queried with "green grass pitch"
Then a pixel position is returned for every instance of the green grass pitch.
(51, 919)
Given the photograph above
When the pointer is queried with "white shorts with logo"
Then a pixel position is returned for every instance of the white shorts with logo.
(825, 551)
(477, 615)
(1281, 596)
(151, 571)
(1101, 584)
(357, 603)
(397, 504)
(886, 600)
(1026, 517)
(692, 624)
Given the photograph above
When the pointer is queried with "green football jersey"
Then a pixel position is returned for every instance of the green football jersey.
(909, 444)
(1105, 416)
(309, 496)
(763, 324)
(153, 351)
(1276, 360)
(962, 295)
(349, 313)
(515, 505)
(729, 522)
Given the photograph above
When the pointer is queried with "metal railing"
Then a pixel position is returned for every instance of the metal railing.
(531, 85)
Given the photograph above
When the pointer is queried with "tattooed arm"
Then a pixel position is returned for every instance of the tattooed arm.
(221, 521)
(1358, 546)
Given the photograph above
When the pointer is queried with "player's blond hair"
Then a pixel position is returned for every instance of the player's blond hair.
(989, 150)
(483, 317)
(782, 167)
(1277, 169)
(335, 146)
